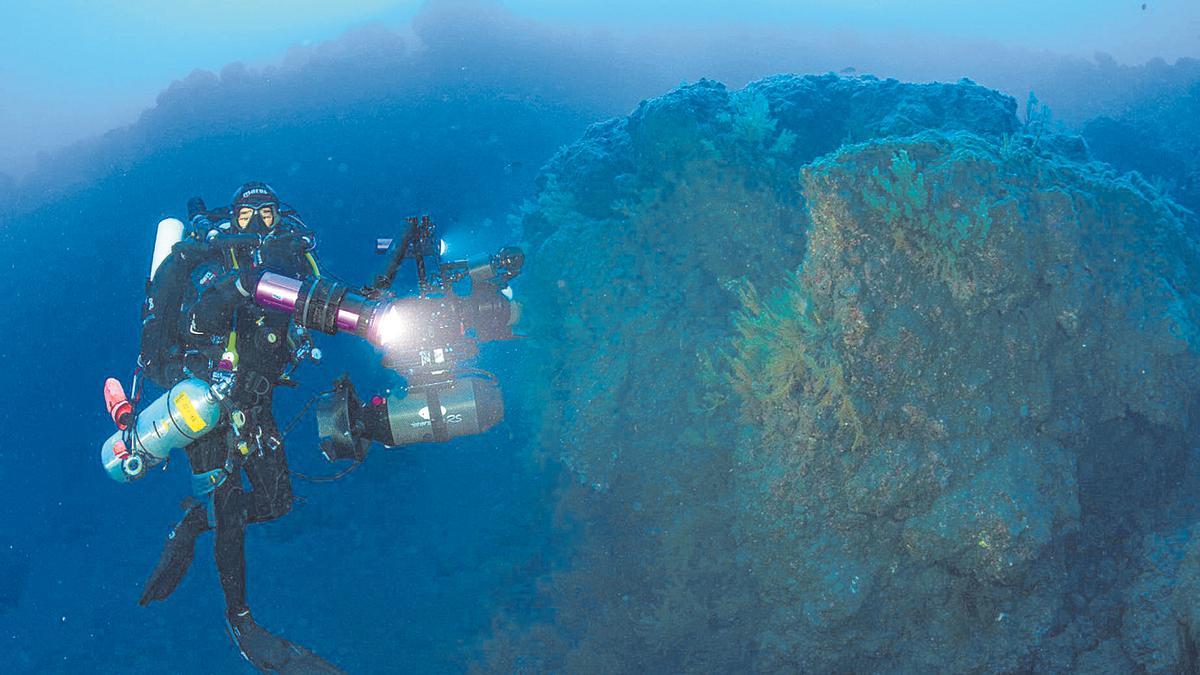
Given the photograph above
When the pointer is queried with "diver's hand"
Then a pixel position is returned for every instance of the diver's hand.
(237, 282)
(291, 243)
(246, 281)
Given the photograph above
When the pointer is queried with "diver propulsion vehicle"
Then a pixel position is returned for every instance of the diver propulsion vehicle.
(425, 338)
(463, 407)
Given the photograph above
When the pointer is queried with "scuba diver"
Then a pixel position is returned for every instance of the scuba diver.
(230, 302)
(201, 322)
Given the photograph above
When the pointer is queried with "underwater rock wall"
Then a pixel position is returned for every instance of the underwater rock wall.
(958, 372)
(642, 237)
(777, 121)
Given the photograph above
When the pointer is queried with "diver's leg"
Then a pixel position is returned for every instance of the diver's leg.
(263, 649)
(180, 547)
(229, 504)
(269, 498)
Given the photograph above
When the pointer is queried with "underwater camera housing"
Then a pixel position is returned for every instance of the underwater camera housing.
(425, 338)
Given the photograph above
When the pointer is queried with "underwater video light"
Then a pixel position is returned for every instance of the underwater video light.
(418, 322)
(457, 305)
(319, 303)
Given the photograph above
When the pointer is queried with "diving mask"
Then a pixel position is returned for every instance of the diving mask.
(260, 217)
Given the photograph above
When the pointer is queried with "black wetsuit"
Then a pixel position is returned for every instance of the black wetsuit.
(216, 310)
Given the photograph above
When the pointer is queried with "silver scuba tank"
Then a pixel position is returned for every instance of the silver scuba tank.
(189, 410)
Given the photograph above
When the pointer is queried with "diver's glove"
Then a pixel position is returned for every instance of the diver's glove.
(177, 554)
(246, 281)
(292, 240)
(271, 653)
(212, 313)
(227, 288)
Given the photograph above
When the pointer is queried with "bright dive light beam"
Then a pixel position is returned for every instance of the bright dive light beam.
(390, 327)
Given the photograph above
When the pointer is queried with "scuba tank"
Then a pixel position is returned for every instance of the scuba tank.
(165, 288)
(186, 412)
(170, 232)
(189, 410)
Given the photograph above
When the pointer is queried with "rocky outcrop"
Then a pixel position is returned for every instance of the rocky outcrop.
(959, 372)
(731, 475)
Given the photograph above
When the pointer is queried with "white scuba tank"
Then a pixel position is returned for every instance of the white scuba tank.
(170, 232)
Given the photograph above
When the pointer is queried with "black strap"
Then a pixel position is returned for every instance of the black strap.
(437, 423)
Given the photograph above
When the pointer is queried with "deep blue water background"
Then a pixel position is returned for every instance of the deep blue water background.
(401, 565)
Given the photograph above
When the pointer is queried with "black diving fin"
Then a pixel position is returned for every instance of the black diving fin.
(272, 654)
(177, 554)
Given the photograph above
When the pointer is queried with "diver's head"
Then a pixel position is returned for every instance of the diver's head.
(254, 208)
